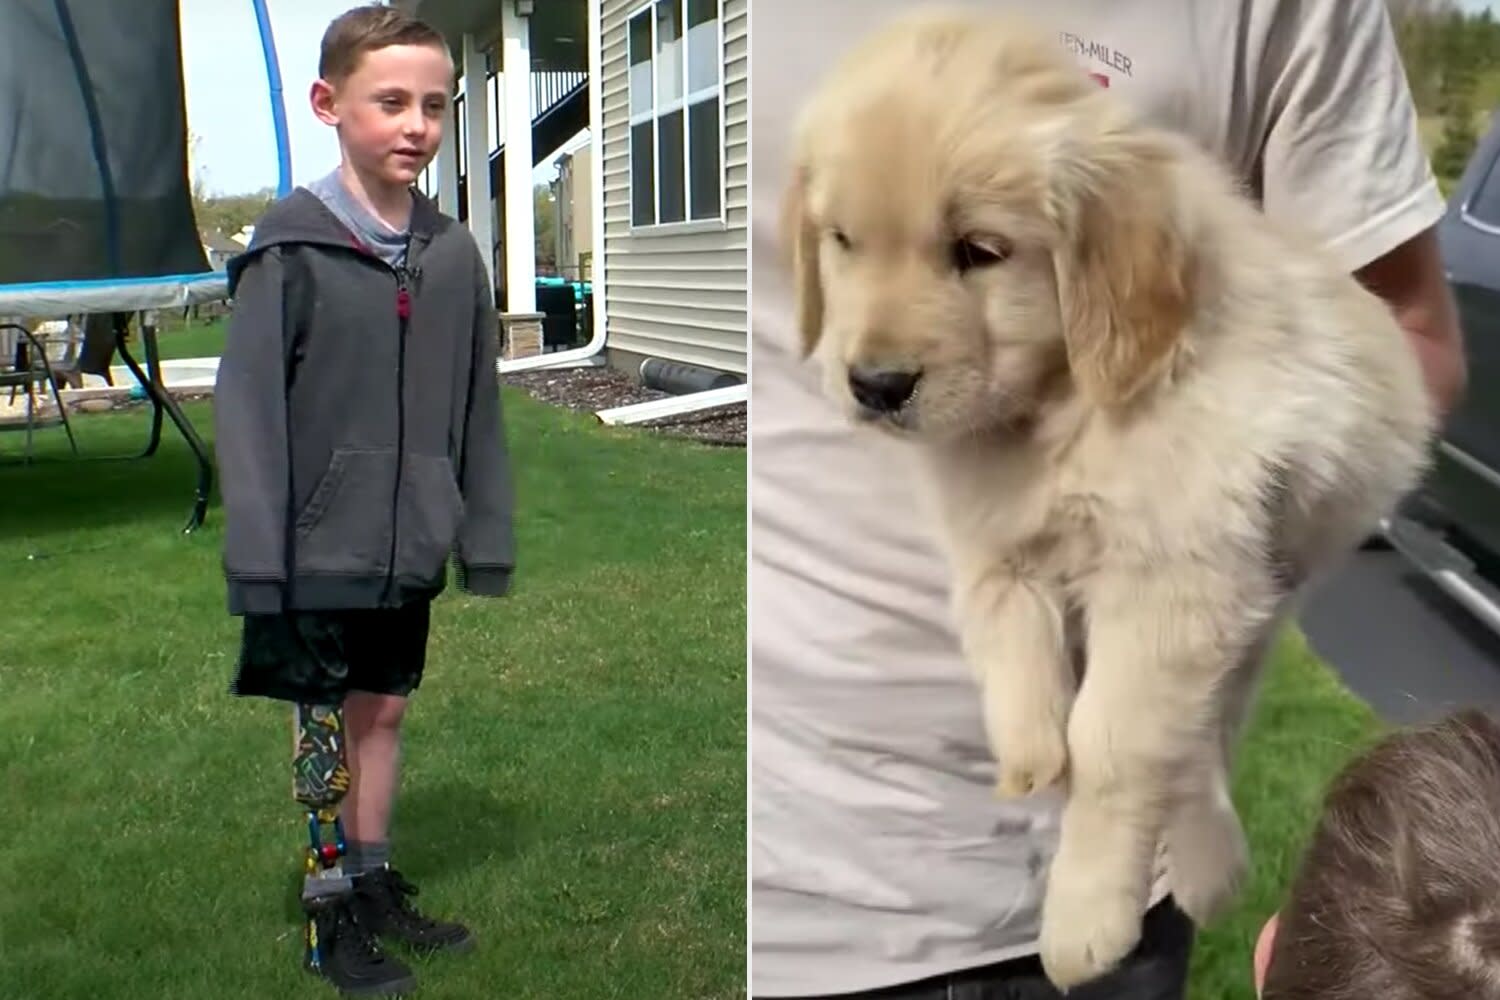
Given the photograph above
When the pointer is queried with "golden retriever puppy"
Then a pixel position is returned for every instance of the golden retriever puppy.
(1148, 415)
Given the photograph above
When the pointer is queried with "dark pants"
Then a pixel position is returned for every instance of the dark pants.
(1156, 970)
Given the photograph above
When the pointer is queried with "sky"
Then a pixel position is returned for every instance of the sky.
(227, 96)
(228, 102)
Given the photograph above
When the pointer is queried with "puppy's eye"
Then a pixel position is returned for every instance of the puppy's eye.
(979, 251)
(840, 237)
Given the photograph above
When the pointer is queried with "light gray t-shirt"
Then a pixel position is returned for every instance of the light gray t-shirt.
(879, 853)
(390, 244)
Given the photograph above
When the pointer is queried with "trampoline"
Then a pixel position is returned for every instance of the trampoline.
(96, 211)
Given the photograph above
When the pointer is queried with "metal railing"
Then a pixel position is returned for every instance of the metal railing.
(548, 90)
(582, 271)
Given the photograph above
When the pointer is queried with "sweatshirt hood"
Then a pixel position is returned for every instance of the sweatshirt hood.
(301, 217)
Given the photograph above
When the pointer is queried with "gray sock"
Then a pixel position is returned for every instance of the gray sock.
(365, 856)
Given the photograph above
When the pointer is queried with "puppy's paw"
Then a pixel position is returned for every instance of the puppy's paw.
(1028, 736)
(1207, 858)
(1086, 931)
(1030, 757)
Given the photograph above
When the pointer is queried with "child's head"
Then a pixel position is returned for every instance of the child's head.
(1399, 892)
(385, 79)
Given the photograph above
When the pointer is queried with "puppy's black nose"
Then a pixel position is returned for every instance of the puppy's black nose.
(883, 390)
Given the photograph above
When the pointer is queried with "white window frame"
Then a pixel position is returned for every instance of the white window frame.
(684, 104)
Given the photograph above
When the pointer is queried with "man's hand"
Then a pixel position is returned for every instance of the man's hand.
(1411, 280)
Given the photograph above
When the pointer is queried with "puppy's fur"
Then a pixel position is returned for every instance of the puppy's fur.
(1149, 415)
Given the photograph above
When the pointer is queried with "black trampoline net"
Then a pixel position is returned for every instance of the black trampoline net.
(93, 142)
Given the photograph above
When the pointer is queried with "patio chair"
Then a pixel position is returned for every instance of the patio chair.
(24, 367)
(559, 309)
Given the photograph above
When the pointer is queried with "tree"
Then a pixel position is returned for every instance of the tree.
(1403, 11)
(545, 214)
(1419, 26)
(231, 213)
(1459, 137)
(197, 175)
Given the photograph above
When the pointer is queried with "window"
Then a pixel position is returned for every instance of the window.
(675, 146)
(1484, 203)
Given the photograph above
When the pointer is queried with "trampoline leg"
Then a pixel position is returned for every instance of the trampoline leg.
(153, 370)
(162, 400)
(152, 376)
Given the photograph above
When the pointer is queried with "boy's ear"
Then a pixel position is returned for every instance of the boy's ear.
(321, 96)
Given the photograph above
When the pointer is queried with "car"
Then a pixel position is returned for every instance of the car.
(1450, 526)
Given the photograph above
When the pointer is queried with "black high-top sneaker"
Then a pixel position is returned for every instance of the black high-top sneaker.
(346, 953)
(382, 902)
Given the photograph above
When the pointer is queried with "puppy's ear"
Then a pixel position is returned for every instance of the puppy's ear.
(800, 242)
(1124, 272)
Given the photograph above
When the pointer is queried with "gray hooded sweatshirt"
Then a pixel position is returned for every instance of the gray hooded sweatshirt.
(358, 427)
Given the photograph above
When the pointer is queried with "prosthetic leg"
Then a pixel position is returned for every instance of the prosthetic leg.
(320, 779)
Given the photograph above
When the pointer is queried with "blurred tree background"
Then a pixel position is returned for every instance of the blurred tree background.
(1452, 61)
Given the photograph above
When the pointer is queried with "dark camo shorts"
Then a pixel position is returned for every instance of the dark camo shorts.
(317, 657)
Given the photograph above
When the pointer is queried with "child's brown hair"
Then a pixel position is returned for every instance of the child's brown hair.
(364, 29)
(1398, 897)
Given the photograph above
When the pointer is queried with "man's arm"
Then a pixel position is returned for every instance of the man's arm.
(1411, 279)
(1343, 156)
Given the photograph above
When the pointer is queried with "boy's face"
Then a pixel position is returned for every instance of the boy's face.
(390, 111)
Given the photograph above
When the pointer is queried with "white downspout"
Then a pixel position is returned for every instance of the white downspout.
(674, 406)
(595, 346)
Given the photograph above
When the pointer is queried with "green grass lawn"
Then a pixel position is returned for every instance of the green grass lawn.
(574, 773)
(176, 338)
(574, 769)
(1306, 727)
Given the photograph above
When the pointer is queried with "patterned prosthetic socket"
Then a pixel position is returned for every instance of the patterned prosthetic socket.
(320, 779)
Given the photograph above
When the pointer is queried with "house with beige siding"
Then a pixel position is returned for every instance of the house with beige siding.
(673, 162)
(573, 198)
(652, 203)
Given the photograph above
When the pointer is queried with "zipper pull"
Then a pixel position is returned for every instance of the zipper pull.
(403, 296)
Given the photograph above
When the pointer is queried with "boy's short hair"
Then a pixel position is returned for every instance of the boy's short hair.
(1399, 892)
(364, 29)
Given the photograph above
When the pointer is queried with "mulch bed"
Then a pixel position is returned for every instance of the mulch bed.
(588, 389)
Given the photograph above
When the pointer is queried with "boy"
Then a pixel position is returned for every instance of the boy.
(1395, 896)
(360, 440)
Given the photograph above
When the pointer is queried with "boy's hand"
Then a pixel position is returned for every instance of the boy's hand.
(484, 581)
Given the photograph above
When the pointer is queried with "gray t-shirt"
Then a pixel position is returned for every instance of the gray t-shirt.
(879, 853)
(390, 244)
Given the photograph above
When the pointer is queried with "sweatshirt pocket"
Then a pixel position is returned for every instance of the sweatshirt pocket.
(432, 509)
(346, 525)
